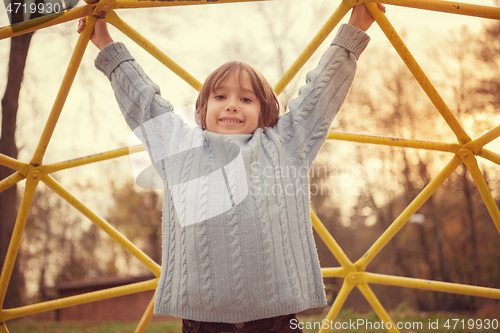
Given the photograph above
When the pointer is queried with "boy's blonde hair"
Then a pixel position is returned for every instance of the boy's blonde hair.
(269, 105)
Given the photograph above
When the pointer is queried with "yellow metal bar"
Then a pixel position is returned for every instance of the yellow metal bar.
(489, 155)
(11, 180)
(10, 314)
(484, 139)
(119, 4)
(339, 272)
(451, 7)
(115, 20)
(81, 11)
(445, 287)
(331, 243)
(345, 290)
(3, 328)
(377, 307)
(313, 45)
(45, 21)
(146, 318)
(73, 66)
(49, 168)
(396, 142)
(112, 232)
(407, 213)
(418, 73)
(15, 240)
(11, 163)
(470, 161)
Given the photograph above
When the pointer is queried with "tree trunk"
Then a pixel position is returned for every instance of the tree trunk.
(8, 205)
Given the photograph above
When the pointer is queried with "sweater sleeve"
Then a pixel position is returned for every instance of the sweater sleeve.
(305, 127)
(139, 98)
(149, 116)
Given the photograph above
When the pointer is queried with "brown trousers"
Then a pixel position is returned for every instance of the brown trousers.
(280, 324)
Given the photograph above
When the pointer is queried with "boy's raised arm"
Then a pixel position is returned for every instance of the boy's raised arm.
(361, 17)
(306, 126)
(147, 114)
(100, 36)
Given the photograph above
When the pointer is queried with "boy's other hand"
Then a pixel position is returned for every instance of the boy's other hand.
(361, 17)
(100, 36)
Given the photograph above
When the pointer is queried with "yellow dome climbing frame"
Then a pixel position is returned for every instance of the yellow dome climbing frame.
(353, 274)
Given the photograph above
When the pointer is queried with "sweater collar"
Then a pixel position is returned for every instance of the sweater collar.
(235, 138)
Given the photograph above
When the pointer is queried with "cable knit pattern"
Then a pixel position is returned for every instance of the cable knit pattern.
(321, 98)
(237, 280)
(202, 238)
(205, 271)
(291, 267)
(168, 261)
(284, 224)
(183, 284)
(321, 129)
(303, 231)
(232, 253)
(266, 241)
(262, 215)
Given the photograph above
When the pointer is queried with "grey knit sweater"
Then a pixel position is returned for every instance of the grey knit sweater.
(237, 237)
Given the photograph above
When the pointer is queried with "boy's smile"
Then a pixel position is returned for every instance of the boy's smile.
(233, 108)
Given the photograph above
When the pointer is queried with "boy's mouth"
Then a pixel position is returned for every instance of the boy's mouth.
(231, 120)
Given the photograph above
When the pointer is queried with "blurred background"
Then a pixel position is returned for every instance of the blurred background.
(357, 190)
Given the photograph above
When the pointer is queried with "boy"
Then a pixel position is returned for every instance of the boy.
(238, 250)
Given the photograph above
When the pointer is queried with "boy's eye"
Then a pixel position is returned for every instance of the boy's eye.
(246, 100)
(220, 97)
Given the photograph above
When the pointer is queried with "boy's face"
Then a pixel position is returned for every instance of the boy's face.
(233, 108)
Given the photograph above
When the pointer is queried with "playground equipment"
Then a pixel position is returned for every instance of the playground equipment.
(353, 274)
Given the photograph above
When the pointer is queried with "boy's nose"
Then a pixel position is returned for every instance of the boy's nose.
(231, 106)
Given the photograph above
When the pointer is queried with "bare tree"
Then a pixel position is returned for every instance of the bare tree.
(8, 199)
